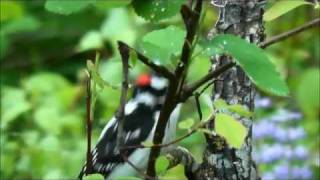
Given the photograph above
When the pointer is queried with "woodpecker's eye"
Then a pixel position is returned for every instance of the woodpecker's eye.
(143, 80)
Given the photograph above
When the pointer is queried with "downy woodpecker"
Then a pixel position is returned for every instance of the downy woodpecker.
(141, 117)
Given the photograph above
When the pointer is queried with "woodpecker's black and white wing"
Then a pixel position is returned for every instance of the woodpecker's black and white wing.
(138, 124)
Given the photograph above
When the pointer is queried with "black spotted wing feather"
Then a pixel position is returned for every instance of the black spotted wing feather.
(137, 127)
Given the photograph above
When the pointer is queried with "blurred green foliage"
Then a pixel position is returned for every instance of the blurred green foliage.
(43, 57)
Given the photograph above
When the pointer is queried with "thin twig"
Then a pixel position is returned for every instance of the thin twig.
(206, 87)
(124, 90)
(125, 158)
(192, 131)
(189, 89)
(163, 71)
(89, 127)
(285, 35)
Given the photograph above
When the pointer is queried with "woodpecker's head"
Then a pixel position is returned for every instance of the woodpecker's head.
(150, 89)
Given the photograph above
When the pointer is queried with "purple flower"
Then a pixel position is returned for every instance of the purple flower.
(268, 176)
(282, 171)
(263, 129)
(296, 133)
(301, 173)
(271, 153)
(262, 102)
(300, 152)
(283, 115)
(288, 153)
(295, 115)
(280, 134)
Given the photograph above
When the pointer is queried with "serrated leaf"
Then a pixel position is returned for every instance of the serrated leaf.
(162, 164)
(241, 110)
(282, 7)
(254, 62)
(231, 129)
(220, 104)
(67, 7)
(162, 44)
(186, 124)
(155, 10)
(147, 143)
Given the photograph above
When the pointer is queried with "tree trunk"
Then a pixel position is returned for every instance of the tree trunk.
(244, 19)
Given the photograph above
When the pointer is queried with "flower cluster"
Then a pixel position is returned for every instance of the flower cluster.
(277, 144)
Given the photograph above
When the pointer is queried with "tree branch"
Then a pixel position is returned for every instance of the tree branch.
(120, 114)
(89, 127)
(285, 35)
(189, 89)
(175, 84)
(182, 156)
(163, 71)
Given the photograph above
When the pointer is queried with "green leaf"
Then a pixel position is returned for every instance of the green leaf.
(127, 178)
(147, 143)
(231, 129)
(104, 5)
(186, 124)
(133, 57)
(111, 71)
(282, 7)
(13, 104)
(67, 7)
(24, 24)
(91, 40)
(93, 177)
(308, 93)
(119, 27)
(254, 62)
(44, 116)
(161, 44)
(10, 10)
(162, 164)
(220, 104)
(4, 44)
(96, 76)
(157, 54)
(155, 10)
(170, 38)
(241, 110)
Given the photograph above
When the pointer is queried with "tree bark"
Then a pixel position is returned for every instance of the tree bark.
(244, 19)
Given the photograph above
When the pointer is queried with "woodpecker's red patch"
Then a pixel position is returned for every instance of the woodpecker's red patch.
(143, 80)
